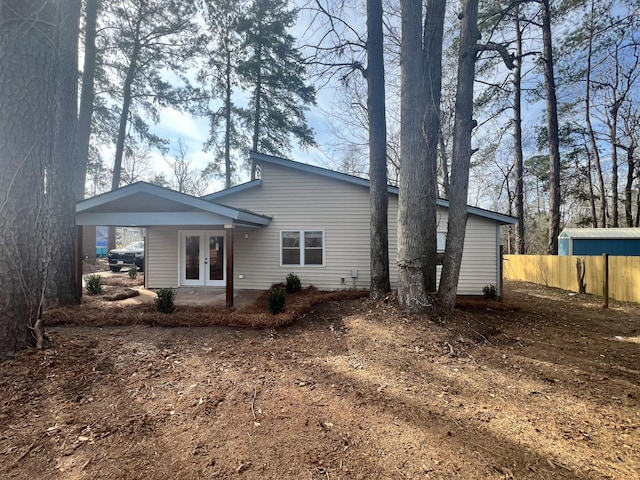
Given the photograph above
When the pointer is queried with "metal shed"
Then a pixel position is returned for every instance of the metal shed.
(596, 241)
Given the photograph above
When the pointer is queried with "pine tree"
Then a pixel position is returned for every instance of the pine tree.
(28, 87)
(274, 72)
(144, 39)
(219, 77)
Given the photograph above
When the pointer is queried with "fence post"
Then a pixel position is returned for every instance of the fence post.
(605, 281)
(501, 279)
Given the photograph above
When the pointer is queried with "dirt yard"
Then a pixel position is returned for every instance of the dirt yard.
(545, 385)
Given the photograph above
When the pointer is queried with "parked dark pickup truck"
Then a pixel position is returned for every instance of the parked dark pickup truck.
(132, 254)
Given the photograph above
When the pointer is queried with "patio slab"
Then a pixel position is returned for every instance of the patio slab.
(198, 296)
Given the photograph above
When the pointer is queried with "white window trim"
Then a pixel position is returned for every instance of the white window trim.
(302, 264)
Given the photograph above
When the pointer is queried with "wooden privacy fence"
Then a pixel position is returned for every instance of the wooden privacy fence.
(609, 277)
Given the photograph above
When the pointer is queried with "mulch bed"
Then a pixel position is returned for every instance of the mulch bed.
(103, 310)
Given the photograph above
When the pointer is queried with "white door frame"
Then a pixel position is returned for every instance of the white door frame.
(202, 268)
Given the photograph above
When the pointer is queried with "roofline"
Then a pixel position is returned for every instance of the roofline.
(481, 212)
(231, 190)
(601, 233)
(185, 199)
(363, 182)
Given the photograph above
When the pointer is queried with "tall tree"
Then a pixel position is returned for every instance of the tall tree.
(223, 52)
(28, 64)
(61, 180)
(552, 128)
(274, 73)
(631, 132)
(340, 50)
(463, 127)
(144, 42)
(518, 157)
(144, 39)
(85, 113)
(595, 149)
(432, 137)
(379, 197)
(417, 180)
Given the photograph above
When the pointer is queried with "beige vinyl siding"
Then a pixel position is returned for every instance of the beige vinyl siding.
(162, 251)
(301, 201)
(392, 224)
(479, 258)
(479, 255)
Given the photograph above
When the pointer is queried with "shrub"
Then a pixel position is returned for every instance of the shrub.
(490, 292)
(276, 300)
(293, 283)
(165, 300)
(94, 284)
(133, 271)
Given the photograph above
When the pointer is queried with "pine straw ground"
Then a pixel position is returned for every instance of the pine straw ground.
(103, 309)
(545, 385)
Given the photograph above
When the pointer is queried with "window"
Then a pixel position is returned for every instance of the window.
(301, 247)
(441, 241)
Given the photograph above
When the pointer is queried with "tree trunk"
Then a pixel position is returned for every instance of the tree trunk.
(552, 128)
(61, 180)
(413, 197)
(124, 118)
(592, 135)
(432, 87)
(592, 199)
(628, 188)
(256, 121)
(518, 159)
(227, 119)
(613, 129)
(257, 99)
(379, 197)
(85, 114)
(461, 158)
(122, 127)
(27, 117)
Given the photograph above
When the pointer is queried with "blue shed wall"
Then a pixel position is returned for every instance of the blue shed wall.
(627, 247)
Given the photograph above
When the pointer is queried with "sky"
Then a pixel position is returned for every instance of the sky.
(194, 131)
(175, 124)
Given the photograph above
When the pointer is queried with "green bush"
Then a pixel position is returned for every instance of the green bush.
(293, 283)
(490, 292)
(133, 271)
(165, 300)
(276, 300)
(94, 284)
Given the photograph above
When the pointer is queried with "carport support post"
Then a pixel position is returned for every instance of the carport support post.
(228, 230)
(605, 281)
(78, 252)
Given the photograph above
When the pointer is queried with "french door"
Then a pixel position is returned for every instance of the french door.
(202, 258)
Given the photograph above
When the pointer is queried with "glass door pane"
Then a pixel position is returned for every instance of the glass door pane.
(216, 258)
(192, 257)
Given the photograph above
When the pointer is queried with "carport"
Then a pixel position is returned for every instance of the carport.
(147, 206)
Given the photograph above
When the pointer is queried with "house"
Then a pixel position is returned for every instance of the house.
(292, 217)
(596, 241)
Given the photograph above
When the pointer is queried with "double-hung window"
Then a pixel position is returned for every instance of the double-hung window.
(302, 247)
(442, 241)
